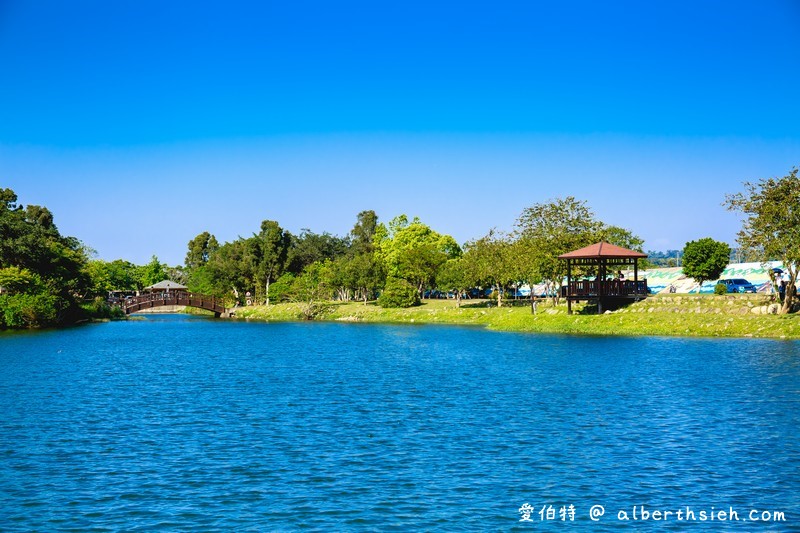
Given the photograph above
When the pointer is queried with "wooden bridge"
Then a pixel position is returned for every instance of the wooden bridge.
(132, 304)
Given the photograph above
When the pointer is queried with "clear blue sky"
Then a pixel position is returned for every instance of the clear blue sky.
(141, 124)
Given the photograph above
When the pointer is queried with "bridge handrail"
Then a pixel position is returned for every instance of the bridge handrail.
(171, 298)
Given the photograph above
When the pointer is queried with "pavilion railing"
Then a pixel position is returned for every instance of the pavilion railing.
(620, 288)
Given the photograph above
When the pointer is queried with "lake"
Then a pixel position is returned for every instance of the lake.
(187, 423)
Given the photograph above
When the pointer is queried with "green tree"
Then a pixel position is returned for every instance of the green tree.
(365, 275)
(453, 276)
(31, 243)
(312, 290)
(705, 259)
(230, 272)
(201, 248)
(412, 250)
(526, 264)
(489, 261)
(19, 280)
(419, 265)
(771, 229)
(309, 248)
(117, 275)
(152, 272)
(551, 229)
(363, 233)
(270, 253)
(398, 293)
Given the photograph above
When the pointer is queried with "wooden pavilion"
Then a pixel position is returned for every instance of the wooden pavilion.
(167, 286)
(608, 289)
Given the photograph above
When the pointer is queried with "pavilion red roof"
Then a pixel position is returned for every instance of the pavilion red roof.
(602, 250)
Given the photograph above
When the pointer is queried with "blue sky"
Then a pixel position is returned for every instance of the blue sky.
(143, 124)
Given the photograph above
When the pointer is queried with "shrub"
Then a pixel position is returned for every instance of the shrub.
(99, 308)
(398, 293)
(313, 310)
(281, 289)
(720, 288)
(28, 310)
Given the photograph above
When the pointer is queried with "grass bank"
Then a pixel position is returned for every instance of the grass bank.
(737, 315)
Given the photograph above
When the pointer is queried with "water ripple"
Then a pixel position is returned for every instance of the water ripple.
(179, 423)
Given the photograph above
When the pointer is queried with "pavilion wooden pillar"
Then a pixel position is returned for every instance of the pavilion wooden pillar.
(569, 280)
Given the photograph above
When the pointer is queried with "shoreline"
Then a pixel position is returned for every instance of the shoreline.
(693, 316)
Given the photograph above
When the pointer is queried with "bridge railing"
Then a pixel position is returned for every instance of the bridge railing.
(131, 304)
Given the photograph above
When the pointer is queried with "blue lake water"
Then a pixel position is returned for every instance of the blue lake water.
(179, 423)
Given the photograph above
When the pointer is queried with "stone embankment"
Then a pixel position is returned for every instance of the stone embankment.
(739, 304)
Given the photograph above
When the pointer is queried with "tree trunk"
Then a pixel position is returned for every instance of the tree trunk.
(789, 294)
(268, 279)
(458, 299)
(499, 296)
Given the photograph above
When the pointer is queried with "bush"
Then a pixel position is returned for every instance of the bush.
(398, 293)
(29, 310)
(720, 288)
(280, 290)
(313, 310)
(99, 308)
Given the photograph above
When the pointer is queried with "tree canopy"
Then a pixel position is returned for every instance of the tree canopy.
(42, 273)
(771, 228)
(705, 259)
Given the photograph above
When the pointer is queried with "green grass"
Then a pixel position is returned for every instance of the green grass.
(673, 315)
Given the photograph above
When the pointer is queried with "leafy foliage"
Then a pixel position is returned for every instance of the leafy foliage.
(771, 229)
(30, 310)
(550, 229)
(152, 272)
(42, 272)
(489, 261)
(705, 259)
(413, 251)
(398, 293)
(200, 249)
(453, 276)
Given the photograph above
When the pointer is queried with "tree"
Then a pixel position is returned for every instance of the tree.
(31, 244)
(412, 250)
(312, 290)
(705, 259)
(554, 228)
(363, 233)
(398, 293)
(771, 229)
(309, 248)
(453, 276)
(152, 272)
(270, 250)
(231, 271)
(19, 280)
(419, 264)
(365, 275)
(200, 249)
(489, 261)
(526, 265)
(117, 275)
